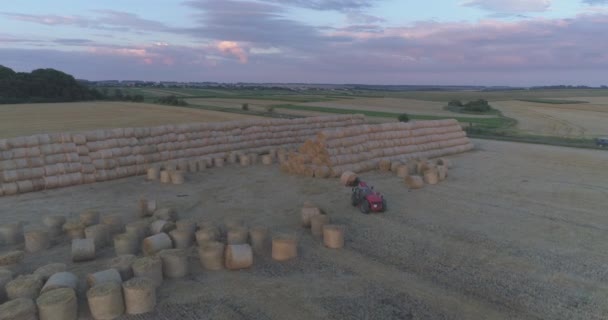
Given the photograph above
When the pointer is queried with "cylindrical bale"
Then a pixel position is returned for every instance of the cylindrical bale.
(218, 162)
(307, 214)
(442, 172)
(74, 230)
(258, 237)
(123, 264)
(414, 182)
(177, 177)
(245, 160)
(46, 271)
(126, 243)
(114, 222)
(238, 256)
(6, 276)
(146, 207)
(182, 239)
(207, 234)
(58, 304)
(211, 255)
(139, 229)
(61, 280)
(384, 165)
(333, 236)
(89, 218)
(19, 309)
(11, 233)
(11, 257)
(167, 214)
(100, 233)
(267, 159)
(395, 165)
(27, 286)
(150, 268)
(156, 243)
(185, 224)
(83, 249)
(160, 226)
(284, 247)
(175, 263)
(254, 158)
(192, 166)
(431, 176)
(237, 235)
(403, 171)
(109, 275)
(153, 174)
(37, 240)
(106, 301)
(140, 295)
(165, 176)
(348, 178)
(316, 224)
(55, 222)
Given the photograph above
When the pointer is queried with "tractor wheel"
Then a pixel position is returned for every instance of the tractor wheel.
(365, 208)
(384, 208)
(353, 199)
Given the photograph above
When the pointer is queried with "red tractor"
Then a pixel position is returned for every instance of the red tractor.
(366, 198)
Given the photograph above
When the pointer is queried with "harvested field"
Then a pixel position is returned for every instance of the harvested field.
(27, 119)
(516, 232)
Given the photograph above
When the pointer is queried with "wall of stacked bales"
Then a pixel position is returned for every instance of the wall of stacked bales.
(361, 148)
(47, 161)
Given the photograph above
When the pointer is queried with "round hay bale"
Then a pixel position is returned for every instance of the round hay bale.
(58, 304)
(54, 221)
(146, 207)
(89, 218)
(177, 177)
(37, 240)
(156, 243)
(284, 247)
(140, 295)
(238, 256)
(186, 225)
(395, 165)
(403, 171)
(333, 236)
(27, 286)
(307, 214)
(231, 222)
(442, 172)
(106, 301)
(258, 237)
(83, 250)
(316, 224)
(46, 271)
(192, 166)
(123, 264)
(211, 255)
(61, 280)
(245, 161)
(167, 214)
(267, 159)
(19, 309)
(232, 158)
(160, 226)
(126, 243)
(237, 235)
(150, 268)
(218, 162)
(100, 277)
(207, 234)
(6, 276)
(165, 176)
(182, 239)
(348, 178)
(153, 173)
(11, 233)
(74, 230)
(100, 233)
(384, 165)
(11, 258)
(422, 166)
(175, 263)
(114, 222)
(414, 182)
(139, 229)
(431, 176)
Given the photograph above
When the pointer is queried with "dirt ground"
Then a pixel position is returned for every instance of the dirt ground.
(26, 119)
(517, 231)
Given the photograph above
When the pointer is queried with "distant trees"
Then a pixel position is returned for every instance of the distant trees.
(477, 106)
(171, 101)
(404, 117)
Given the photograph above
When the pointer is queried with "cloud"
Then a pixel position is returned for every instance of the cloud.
(234, 49)
(510, 6)
(359, 17)
(595, 2)
(338, 5)
(72, 42)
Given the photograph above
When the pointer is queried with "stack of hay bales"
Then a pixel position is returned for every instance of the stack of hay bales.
(49, 161)
(363, 147)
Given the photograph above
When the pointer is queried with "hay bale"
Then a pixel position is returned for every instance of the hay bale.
(333, 236)
(19, 309)
(422, 166)
(83, 250)
(177, 177)
(59, 304)
(160, 226)
(186, 225)
(414, 182)
(182, 239)
(395, 165)
(284, 247)
(123, 264)
(150, 268)
(6, 276)
(61, 280)
(153, 174)
(238, 256)
(403, 171)
(211, 255)
(11, 257)
(46, 271)
(307, 214)
(100, 233)
(348, 178)
(384, 165)
(175, 263)
(11, 233)
(258, 237)
(442, 172)
(218, 162)
(139, 229)
(237, 235)
(114, 222)
(74, 230)
(431, 176)
(192, 166)
(156, 243)
(106, 301)
(27, 286)
(165, 176)
(89, 218)
(267, 159)
(53, 221)
(37, 240)
(126, 243)
(167, 214)
(146, 207)
(207, 234)
(100, 277)
(316, 224)
(245, 161)
(140, 295)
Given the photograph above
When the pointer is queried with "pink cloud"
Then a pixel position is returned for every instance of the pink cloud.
(234, 49)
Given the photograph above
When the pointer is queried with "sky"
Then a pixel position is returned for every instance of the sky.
(439, 42)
